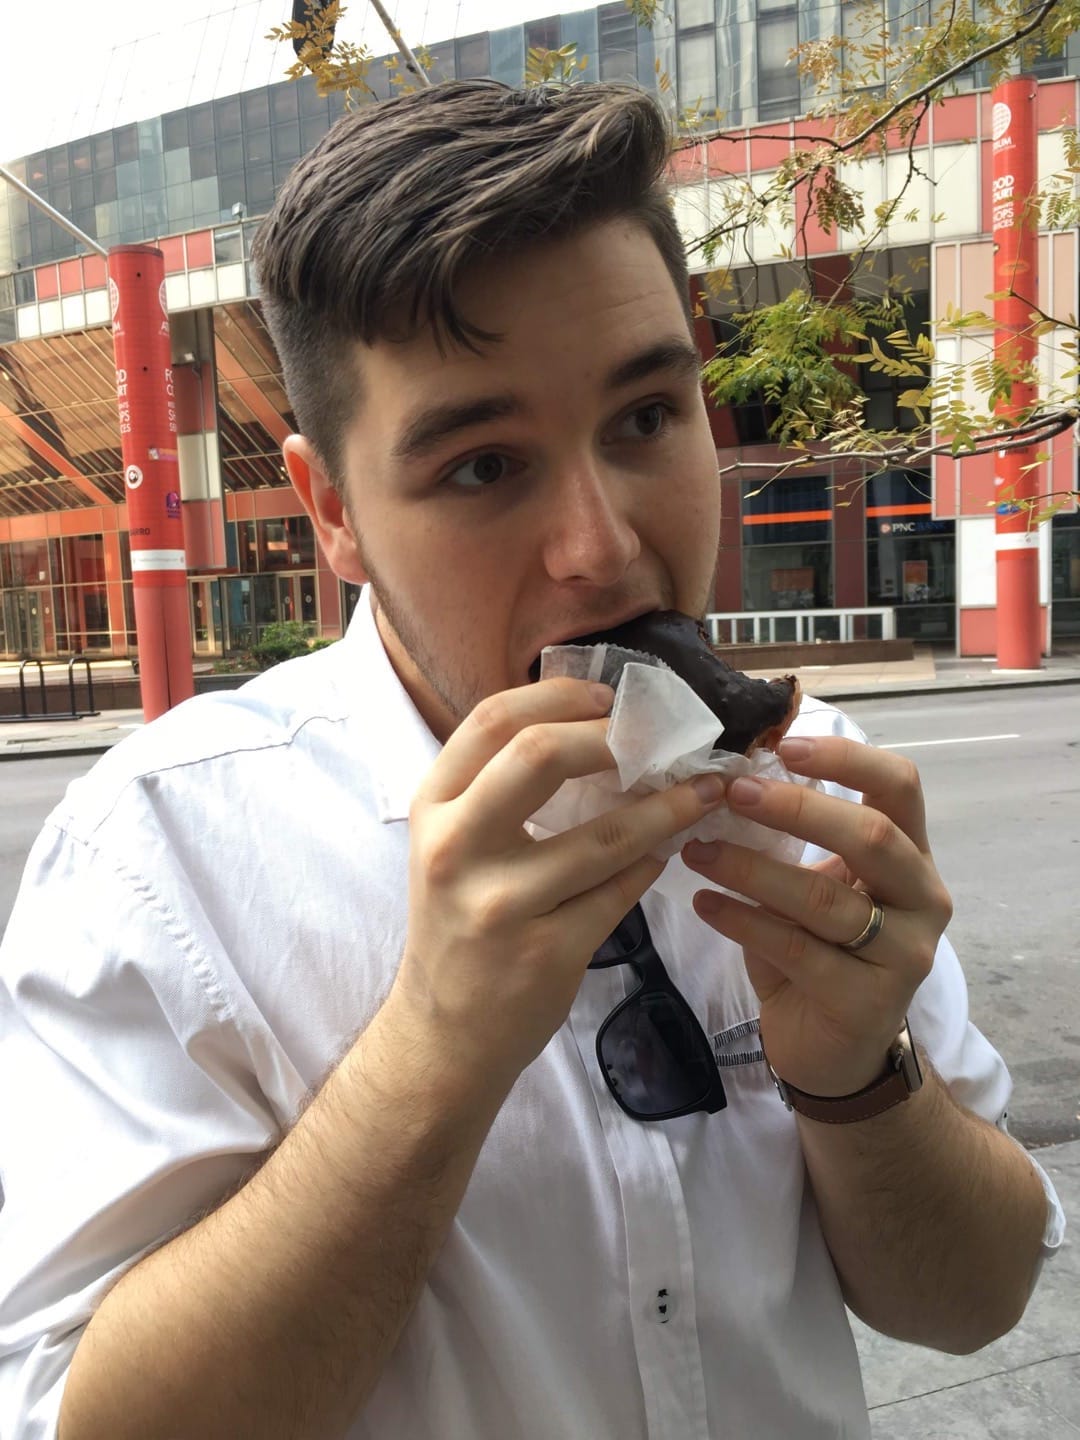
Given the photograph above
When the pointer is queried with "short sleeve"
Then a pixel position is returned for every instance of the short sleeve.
(130, 1105)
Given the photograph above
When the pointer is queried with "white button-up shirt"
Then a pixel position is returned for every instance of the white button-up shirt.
(206, 922)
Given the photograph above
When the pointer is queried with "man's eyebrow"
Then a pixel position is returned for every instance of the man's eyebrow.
(430, 427)
(676, 355)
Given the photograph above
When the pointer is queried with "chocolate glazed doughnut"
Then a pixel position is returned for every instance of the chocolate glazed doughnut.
(753, 713)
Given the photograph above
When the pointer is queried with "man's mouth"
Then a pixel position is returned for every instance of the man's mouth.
(595, 636)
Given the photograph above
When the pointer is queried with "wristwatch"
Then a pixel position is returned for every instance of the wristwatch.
(902, 1077)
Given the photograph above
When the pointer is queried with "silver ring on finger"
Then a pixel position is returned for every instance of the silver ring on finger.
(871, 929)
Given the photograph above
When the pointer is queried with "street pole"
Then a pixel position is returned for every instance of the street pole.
(403, 50)
(1016, 289)
(148, 449)
(147, 408)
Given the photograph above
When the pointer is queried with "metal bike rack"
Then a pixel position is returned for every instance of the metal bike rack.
(73, 713)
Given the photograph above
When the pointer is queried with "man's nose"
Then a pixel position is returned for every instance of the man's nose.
(590, 535)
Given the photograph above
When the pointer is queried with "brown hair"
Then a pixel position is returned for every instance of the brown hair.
(373, 230)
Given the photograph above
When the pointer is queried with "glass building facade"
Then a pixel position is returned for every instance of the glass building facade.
(213, 162)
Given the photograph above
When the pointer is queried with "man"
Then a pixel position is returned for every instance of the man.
(312, 1138)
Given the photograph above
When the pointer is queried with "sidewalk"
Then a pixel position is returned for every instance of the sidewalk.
(1024, 1386)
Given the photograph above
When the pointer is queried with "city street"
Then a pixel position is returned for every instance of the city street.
(1001, 771)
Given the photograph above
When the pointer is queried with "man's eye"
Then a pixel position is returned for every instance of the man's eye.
(644, 422)
(481, 470)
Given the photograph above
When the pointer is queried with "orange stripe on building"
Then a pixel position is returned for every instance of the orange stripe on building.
(787, 517)
(899, 509)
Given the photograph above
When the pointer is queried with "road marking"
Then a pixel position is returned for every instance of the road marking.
(960, 740)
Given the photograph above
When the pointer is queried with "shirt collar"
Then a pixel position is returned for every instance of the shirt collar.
(397, 742)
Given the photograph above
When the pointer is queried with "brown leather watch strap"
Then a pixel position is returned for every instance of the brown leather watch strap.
(883, 1094)
(901, 1079)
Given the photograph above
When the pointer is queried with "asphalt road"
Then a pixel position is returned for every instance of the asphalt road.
(1001, 773)
(1004, 822)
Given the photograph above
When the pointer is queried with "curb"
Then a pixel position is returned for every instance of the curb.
(65, 753)
(946, 688)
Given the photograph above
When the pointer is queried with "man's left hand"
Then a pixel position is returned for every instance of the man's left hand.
(828, 1014)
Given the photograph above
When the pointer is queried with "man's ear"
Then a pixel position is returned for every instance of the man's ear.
(320, 498)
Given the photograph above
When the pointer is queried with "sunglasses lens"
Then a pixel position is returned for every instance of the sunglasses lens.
(652, 1053)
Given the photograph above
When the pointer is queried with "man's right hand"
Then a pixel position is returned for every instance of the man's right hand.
(502, 926)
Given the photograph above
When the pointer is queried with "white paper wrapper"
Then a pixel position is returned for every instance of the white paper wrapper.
(660, 732)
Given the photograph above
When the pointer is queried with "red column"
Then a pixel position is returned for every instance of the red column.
(1016, 260)
(151, 475)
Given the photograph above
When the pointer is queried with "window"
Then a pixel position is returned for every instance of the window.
(790, 508)
(81, 157)
(201, 124)
(910, 556)
(227, 246)
(227, 116)
(255, 109)
(104, 187)
(778, 76)
(283, 104)
(689, 13)
(36, 176)
(259, 188)
(697, 71)
(442, 61)
(473, 57)
(312, 129)
(618, 43)
(543, 34)
(257, 148)
(286, 142)
(104, 155)
(174, 130)
(287, 544)
(862, 25)
(310, 101)
(787, 544)
(126, 142)
(57, 165)
(1065, 575)
(82, 191)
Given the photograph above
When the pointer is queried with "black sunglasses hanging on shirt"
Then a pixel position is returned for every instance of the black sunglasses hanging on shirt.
(653, 1053)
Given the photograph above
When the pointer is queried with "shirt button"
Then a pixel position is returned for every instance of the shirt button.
(663, 1307)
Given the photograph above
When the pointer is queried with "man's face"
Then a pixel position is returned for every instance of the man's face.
(559, 482)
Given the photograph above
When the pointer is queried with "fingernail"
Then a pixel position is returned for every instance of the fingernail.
(708, 788)
(604, 695)
(746, 791)
(796, 750)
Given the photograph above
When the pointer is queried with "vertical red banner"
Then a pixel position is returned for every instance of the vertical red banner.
(1016, 286)
(144, 393)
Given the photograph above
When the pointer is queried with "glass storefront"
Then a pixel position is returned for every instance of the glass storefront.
(277, 583)
(910, 556)
(787, 544)
(53, 597)
(1065, 577)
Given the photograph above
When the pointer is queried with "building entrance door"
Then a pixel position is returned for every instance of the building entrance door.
(206, 625)
(24, 621)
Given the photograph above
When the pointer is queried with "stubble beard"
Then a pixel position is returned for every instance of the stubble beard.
(456, 694)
